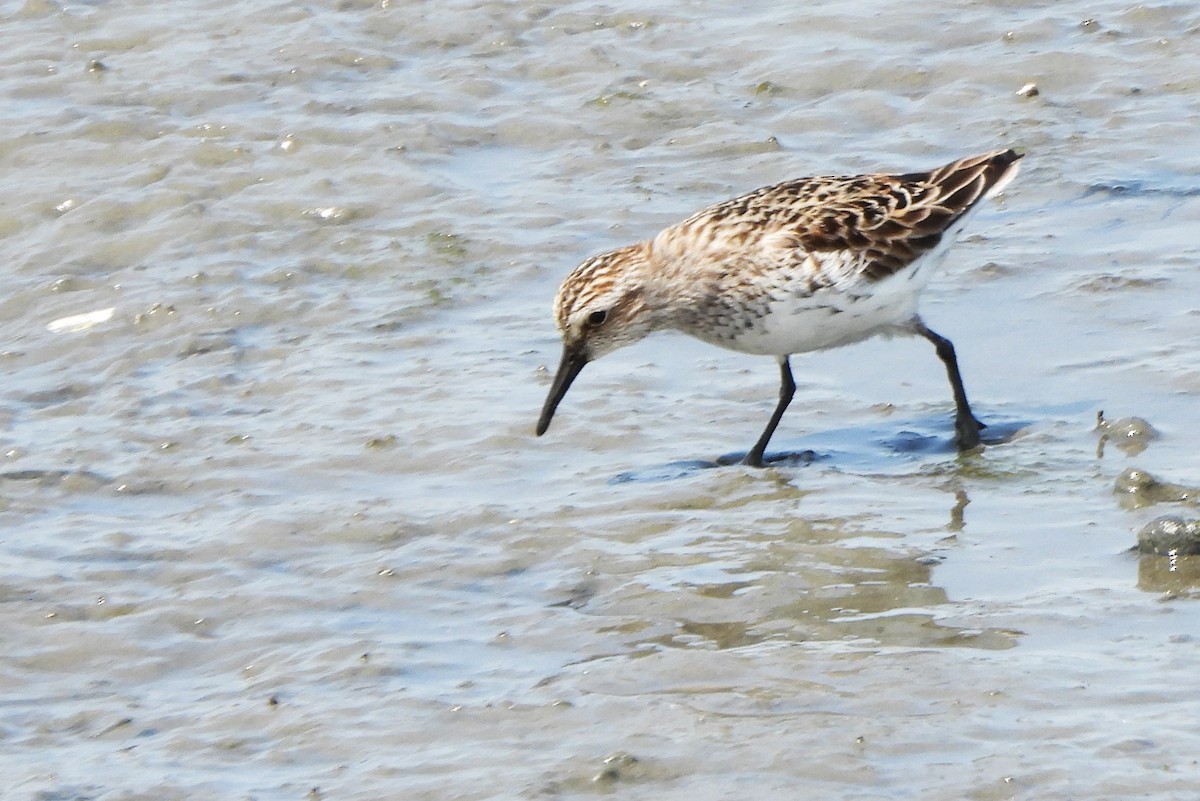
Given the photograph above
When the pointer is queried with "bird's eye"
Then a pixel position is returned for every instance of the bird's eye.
(598, 317)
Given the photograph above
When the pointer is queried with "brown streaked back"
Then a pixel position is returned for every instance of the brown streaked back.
(883, 221)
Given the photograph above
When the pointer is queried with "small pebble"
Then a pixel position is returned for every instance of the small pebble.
(616, 767)
(1170, 536)
(1139, 489)
(1134, 479)
(1028, 90)
(1130, 434)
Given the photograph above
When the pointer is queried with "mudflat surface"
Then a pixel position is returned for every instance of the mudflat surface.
(275, 330)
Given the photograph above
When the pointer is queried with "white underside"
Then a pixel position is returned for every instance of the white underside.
(842, 315)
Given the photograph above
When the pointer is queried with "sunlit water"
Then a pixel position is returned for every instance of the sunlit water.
(275, 333)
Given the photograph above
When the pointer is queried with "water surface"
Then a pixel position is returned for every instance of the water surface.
(273, 519)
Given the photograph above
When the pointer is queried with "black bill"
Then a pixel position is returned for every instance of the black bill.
(572, 362)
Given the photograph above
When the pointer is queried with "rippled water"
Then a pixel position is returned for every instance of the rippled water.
(275, 333)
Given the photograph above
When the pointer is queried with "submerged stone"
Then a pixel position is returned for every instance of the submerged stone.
(1139, 489)
(1170, 536)
(1130, 434)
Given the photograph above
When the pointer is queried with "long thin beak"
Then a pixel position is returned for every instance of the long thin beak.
(573, 360)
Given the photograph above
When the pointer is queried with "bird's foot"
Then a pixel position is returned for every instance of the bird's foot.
(780, 459)
(966, 433)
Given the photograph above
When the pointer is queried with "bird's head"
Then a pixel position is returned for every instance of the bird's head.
(601, 306)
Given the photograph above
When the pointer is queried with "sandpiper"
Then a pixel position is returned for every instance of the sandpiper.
(804, 265)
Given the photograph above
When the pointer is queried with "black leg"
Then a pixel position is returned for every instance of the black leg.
(787, 388)
(966, 427)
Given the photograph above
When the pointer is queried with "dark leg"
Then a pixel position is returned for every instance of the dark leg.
(787, 388)
(966, 427)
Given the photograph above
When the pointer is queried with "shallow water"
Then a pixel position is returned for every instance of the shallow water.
(277, 525)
